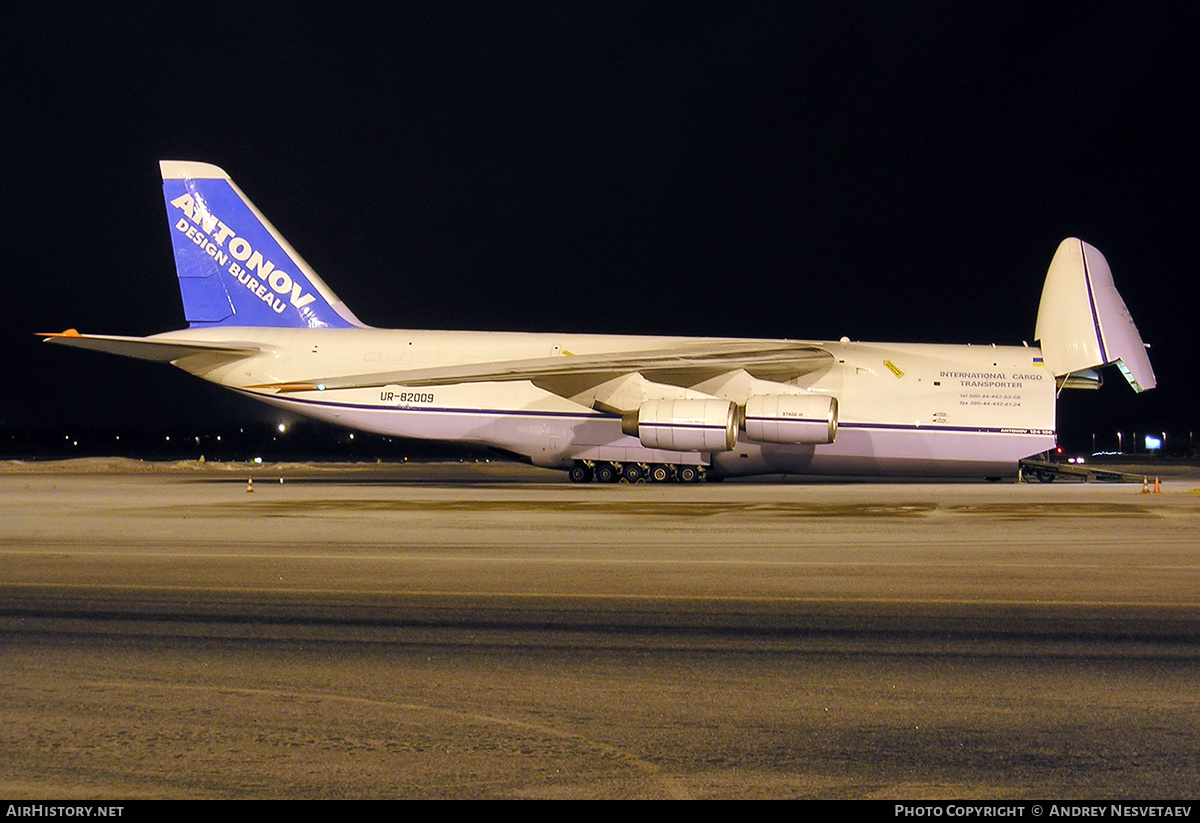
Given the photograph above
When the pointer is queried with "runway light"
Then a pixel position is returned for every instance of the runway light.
(282, 428)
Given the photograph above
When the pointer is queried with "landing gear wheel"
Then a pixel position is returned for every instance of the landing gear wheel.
(688, 474)
(633, 473)
(581, 473)
(660, 473)
(606, 473)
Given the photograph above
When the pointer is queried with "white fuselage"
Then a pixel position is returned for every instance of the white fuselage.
(903, 408)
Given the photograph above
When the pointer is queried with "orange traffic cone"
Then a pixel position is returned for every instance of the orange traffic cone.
(250, 486)
(1145, 485)
(1157, 490)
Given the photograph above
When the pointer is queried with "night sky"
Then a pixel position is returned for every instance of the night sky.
(884, 171)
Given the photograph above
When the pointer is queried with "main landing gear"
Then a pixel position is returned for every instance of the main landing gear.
(605, 472)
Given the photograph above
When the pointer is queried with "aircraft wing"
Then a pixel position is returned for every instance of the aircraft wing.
(149, 348)
(567, 374)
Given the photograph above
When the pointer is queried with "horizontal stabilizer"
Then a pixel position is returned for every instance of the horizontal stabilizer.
(1083, 322)
(148, 348)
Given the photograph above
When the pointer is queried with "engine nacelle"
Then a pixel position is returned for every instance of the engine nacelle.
(708, 425)
(809, 419)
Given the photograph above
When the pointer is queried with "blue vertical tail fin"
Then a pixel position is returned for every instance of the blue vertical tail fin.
(234, 268)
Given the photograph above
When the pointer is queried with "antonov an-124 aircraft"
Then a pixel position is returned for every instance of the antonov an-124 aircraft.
(261, 322)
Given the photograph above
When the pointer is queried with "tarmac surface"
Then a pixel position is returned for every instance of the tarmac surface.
(488, 631)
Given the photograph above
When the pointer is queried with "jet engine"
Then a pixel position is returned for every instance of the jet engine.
(809, 419)
(685, 425)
